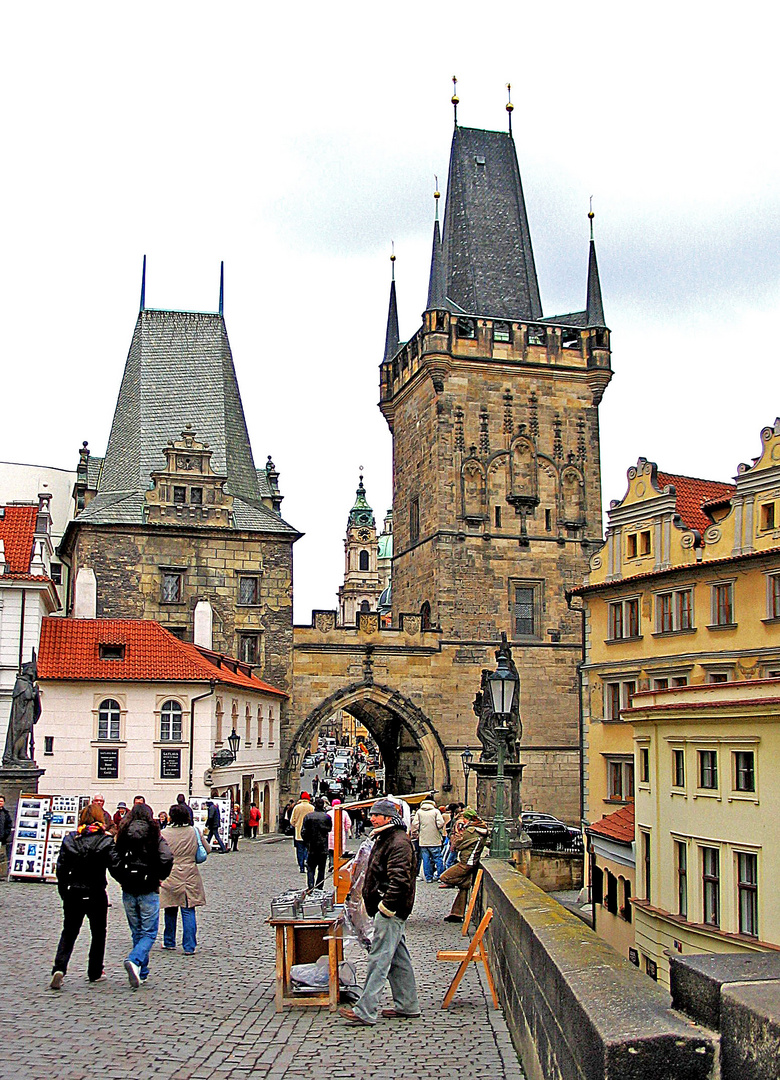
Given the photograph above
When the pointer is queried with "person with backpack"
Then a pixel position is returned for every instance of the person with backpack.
(213, 822)
(84, 857)
(143, 861)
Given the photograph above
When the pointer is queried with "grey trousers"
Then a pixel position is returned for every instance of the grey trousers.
(388, 960)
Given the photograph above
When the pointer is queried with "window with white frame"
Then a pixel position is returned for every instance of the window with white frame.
(617, 696)
(170, 721)
(620, 778)
(744, 771)
(722, 594)
(624, 618)
(773, 596)
(747, 892)
(708, 769)
(710, 876)
(109, 716)
(674, 611)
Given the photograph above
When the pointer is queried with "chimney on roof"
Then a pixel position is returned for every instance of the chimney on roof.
(204, 624)
(85, 594)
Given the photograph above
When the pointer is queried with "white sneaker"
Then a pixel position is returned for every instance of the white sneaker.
(56, 980)
(133, 974)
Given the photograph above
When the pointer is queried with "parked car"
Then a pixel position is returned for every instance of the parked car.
(309, 762)
(549, 833)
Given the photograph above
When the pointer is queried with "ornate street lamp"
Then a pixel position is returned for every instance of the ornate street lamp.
(466, 758)
(502, 684)
(234, 741)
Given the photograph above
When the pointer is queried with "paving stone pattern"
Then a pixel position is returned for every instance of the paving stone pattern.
(212, 1015)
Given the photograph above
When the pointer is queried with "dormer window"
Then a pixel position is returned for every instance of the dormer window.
(638, 544)
(110, 651)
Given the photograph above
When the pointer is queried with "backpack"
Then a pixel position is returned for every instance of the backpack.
(134, 871)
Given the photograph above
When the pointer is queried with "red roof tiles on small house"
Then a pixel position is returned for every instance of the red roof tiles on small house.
(618, 826)
(143, 651)
(692, 494)
(17, 529)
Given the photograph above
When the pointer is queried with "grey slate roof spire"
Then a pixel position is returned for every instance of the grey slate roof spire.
(487, 254)
(436, 289)
(391, 336)
(595, 307)
(179, 370)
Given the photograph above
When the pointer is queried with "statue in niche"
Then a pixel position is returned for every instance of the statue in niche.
(486, 719)
(25, 712)
(524, 495)
(473, 490)
(573, 496)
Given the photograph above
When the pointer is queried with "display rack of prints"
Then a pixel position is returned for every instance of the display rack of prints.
(29, 842)
(41, 824)
(199, 811)
(65, 810)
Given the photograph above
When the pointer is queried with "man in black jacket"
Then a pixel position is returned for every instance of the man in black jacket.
(314, 833)
(388, 893)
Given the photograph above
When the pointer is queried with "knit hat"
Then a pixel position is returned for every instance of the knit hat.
(385, 807)
(472, 815)
(305, 795)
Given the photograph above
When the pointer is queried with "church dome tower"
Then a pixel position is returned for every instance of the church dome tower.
(362, 584)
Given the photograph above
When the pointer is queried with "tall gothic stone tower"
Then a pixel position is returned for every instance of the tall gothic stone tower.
(494, 413)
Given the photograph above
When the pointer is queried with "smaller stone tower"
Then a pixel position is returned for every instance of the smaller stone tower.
(362, 584)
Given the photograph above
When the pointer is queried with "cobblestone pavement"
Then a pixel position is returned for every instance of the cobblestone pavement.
(212, 1015)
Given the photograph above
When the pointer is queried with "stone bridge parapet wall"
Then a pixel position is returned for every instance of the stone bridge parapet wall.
(575, 1009)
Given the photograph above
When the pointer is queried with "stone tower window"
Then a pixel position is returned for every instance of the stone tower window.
(467, 328)
(249, 589)
(196, 496)
(425, 616)
(171, 587)
(179, 495)
(502, 331)
(364, 560)
(414, 519)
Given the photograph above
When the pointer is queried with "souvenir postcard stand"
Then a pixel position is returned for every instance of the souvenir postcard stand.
(42, 822)
(200, 810)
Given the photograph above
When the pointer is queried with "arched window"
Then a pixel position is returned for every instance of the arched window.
(425, 616)
(219, 712)
(170, 722)
(259, 725)
(364, 560)
(248, 727)
(364, 605)
(108, 719)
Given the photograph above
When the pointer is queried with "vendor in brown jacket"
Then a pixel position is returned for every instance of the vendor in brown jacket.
(469, 837)
(388, 893)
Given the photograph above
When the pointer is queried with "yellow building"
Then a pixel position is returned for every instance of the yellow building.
(707, 807)
(685, 591)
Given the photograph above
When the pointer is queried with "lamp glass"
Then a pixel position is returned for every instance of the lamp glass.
(502, 688)
(234, 741)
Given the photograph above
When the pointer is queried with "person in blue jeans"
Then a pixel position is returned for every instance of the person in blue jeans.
(143, 861)
(183, 889)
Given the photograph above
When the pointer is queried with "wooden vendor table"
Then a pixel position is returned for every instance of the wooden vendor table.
(303, 941)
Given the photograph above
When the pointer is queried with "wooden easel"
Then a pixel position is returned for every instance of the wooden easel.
(472, 901)
(464, 957)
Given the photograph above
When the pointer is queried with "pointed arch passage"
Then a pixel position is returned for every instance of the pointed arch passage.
(411, 748)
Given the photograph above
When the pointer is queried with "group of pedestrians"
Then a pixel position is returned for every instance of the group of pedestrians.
(153, 870)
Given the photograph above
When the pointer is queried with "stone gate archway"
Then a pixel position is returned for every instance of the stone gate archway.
(411, 748)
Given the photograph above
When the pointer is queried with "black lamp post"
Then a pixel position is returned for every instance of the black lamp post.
(502, 684)
(234, 741)
(466, 758)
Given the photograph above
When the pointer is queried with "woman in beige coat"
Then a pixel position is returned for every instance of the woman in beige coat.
(184, 887)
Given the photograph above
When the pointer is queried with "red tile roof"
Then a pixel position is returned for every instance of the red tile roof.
(618, 826)
(17, 529)
(69, 649)
(692, 493)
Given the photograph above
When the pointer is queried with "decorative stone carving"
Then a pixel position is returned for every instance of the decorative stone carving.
(25, 712)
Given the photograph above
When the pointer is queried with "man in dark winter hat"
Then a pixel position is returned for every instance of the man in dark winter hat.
(388, 893)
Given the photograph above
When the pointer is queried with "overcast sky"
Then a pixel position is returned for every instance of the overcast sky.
(296, 142)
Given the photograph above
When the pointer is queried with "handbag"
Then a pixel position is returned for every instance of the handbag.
(200, 854)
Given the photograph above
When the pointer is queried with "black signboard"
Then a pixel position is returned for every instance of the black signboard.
(170, 764)
(108, 764)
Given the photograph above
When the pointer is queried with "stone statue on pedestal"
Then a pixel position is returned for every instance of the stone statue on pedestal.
(25, 712)
(486, 719)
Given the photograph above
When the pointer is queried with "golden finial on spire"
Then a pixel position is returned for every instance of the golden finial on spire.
(455, 98)
(437, 195)
(509, 106)
(392, 257)
(591, 216)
